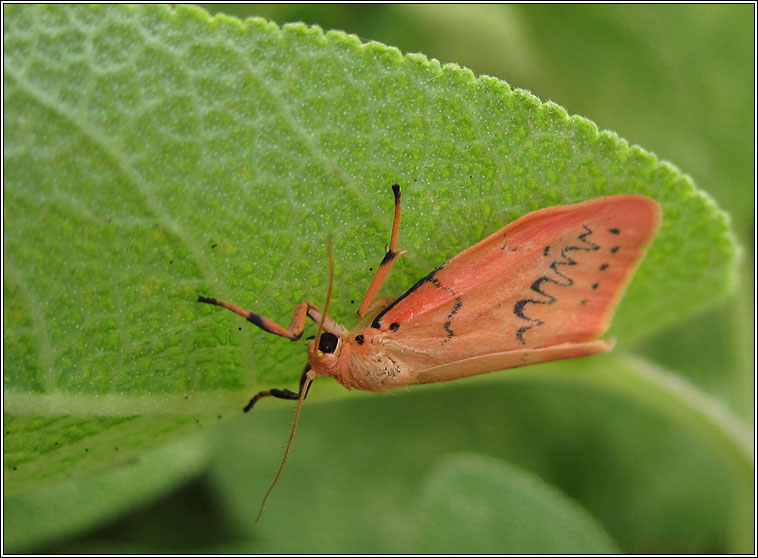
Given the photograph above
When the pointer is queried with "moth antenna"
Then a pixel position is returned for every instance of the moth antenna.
(328, 294)
(308, 378)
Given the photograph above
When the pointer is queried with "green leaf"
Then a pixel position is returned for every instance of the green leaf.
(38, 517)
(502, 509)
(663, 392)
(355, 479)
(154, 154)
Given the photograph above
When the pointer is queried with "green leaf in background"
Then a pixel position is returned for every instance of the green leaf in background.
(498, 507)
(48, 514)
(153, 154)
(355, 480)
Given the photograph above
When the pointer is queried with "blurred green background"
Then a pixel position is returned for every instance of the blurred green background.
(677, 80)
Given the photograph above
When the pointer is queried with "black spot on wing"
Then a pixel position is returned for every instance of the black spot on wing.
(504, 246)
(614, 231)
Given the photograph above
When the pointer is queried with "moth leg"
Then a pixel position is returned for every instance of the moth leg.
(282, 393)
(296, 326)
(368, 304)
(330, 325)
(379, 304)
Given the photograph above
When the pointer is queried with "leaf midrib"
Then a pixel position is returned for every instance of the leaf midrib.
(59, 403)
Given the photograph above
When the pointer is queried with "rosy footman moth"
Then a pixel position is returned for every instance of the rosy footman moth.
(542, 288)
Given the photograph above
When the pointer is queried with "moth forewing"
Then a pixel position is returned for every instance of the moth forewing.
(551, 277)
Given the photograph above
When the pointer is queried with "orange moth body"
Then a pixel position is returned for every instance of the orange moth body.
(542, 288)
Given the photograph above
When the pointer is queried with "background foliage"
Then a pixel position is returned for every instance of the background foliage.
(150, 155)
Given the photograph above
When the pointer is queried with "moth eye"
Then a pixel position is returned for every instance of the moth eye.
(327, 343)
(359, 339)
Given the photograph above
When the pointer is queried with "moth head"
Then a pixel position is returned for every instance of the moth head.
(324, 357)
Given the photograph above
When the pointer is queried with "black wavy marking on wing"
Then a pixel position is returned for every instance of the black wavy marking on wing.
(448, 331)
(566, 260)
